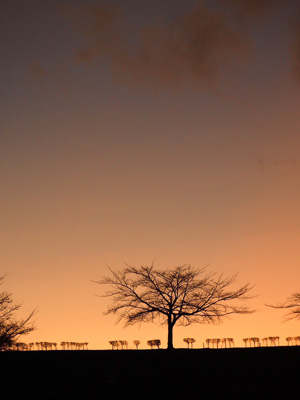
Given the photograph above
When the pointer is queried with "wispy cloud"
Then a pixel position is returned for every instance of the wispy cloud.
(60, 76)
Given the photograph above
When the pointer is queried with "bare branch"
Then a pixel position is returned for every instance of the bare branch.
(12, 328)
(293, 304)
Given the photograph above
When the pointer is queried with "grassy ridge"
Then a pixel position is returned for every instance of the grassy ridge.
(144, 374)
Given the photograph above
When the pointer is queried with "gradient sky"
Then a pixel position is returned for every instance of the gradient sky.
(138, 132)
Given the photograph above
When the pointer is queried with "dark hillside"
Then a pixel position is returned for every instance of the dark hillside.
(151, 374)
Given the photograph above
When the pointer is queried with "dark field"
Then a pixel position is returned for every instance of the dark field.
(152, 374)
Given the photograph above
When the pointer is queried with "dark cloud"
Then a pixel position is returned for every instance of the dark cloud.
(297, 55)
(196, 47)
(100, 26)
(250, 9)
(296, 46)
(37, 71)
(287, 164)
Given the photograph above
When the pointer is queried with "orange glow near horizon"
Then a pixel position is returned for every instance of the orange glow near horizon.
(189, 158)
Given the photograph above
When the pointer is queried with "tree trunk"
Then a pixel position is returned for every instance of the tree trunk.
(170, 334)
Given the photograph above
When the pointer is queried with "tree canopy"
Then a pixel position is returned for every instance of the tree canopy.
(11, 328)
(182, 295)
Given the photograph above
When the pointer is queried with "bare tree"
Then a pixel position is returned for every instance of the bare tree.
(182, 295)
(12, 328)
(292, 304)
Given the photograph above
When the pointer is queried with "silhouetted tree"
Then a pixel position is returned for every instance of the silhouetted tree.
(12, 328)
(153, 343)
(189, 341)
(182, 295)
(293, 304)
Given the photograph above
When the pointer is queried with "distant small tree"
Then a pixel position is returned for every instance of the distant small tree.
(153, 343)
(292, 304)
(123, 343)
(136, 343)
(114, 344)
(189, 341)
(12, 328)
(182, 295)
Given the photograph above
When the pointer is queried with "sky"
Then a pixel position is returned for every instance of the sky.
(148, 132)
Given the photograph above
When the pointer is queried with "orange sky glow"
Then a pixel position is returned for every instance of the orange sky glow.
(160, 133)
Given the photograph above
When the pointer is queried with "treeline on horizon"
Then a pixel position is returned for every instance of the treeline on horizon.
(181, 295)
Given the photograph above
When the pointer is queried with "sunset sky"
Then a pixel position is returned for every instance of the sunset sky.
(143, 132)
